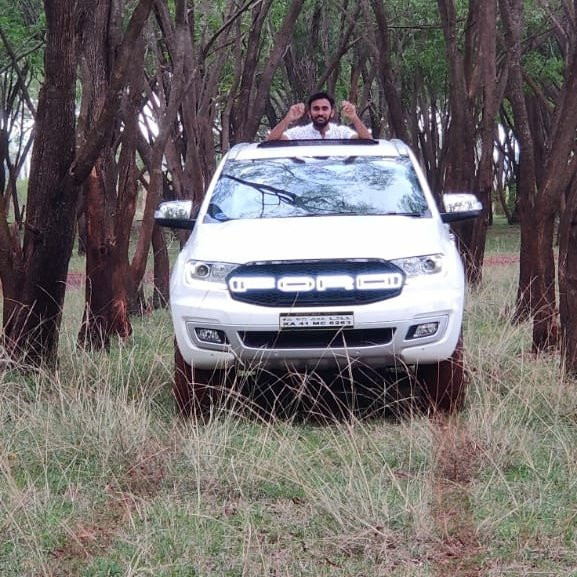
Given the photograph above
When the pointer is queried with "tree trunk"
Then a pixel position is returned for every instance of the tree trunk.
(180, 79)
(382, 51)
(546, 184)
(38, 285)
(511, 13)
(559, 180)
(161, 270)
(255, 85)
(544, 300)
(460, 168)
(568, 281)
(106, 311)
(38, 282)
(109, 221)
(491, 97)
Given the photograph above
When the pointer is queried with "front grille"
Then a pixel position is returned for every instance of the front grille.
(328, 298)
(316, 339)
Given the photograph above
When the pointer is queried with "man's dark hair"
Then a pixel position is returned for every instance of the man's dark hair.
(321, 96)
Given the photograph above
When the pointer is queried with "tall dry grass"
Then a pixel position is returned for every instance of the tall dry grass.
(98, 477)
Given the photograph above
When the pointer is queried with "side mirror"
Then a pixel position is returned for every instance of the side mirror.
(460, 206)
(175, 214)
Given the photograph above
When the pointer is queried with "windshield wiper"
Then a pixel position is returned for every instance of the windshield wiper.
(282, 195)
(357, 213)
(331, 213)
(412, 214)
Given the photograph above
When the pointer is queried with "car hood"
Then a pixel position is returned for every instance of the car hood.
(384, 237)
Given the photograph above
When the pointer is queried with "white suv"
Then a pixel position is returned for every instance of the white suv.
(318, 254)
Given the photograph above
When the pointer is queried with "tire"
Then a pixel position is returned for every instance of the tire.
(194, 389)
(444, 382)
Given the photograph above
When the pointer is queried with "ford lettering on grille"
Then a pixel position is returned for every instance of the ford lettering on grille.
(315, 283)
(321, 283)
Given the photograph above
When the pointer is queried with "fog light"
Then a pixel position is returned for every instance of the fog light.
(202, 270)
(210, 336)
(422, 330)
(430, 265)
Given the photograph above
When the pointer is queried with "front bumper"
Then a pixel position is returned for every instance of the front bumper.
(380, 336)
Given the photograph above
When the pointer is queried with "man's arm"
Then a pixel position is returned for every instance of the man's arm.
(296, 111)
(350, 113)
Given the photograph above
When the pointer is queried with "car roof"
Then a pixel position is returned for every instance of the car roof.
(320, 147)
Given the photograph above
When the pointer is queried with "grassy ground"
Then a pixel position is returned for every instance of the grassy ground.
(98, 478)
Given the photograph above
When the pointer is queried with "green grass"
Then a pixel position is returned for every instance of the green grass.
(99, 478)
(502, 237)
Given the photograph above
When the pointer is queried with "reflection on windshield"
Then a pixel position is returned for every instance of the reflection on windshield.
(281, 188)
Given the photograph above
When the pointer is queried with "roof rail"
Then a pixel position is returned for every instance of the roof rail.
(318, 142)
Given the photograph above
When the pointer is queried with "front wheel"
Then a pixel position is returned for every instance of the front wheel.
(194, 389)
(444, 382)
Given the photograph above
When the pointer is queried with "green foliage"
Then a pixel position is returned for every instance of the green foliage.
(546, 66)
(23, 23)
(542, 58)
(420, 58)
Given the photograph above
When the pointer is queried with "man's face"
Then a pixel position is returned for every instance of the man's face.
(321, 112)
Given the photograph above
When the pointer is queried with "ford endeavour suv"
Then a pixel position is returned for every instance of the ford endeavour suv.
(317, 254)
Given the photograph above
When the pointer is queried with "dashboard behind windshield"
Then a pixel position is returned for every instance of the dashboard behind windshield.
(316, 186)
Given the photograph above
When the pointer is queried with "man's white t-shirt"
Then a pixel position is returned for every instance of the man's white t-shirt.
(309, 132)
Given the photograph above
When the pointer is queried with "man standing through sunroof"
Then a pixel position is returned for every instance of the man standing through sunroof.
(320, 109)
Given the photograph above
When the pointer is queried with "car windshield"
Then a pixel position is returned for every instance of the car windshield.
(316, 186)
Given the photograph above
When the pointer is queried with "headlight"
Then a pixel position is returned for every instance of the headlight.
(195, 270)
(420, 265)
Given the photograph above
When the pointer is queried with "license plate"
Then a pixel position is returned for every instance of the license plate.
(315, 320)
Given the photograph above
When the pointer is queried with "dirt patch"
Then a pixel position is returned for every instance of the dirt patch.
(501, 259)
(143, 478)
(92, 536)
(75, 280)
(457, 456)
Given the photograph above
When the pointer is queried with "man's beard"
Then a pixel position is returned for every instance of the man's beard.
(320, 123)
